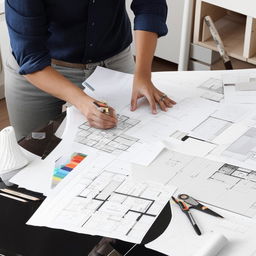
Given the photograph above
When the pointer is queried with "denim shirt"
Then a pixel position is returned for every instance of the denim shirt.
(77, 31)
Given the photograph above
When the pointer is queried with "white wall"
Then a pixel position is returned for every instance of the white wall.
(4, 46)
(169, 46)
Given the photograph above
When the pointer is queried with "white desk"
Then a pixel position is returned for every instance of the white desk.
(180, 85)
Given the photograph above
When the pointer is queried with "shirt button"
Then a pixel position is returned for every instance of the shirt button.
(93, 23)
(91, 44)
(90, 61)
(93, 1)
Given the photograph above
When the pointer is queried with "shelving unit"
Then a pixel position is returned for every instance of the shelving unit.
(237, 30)
(252, 47)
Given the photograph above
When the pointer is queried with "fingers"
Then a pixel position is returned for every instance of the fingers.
(134, 101)
(101, 124)
(152, 103)
(101, 120)
(165, 102)
(162, 104)
(154, 98)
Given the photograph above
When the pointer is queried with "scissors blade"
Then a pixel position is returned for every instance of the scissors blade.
(205, 209)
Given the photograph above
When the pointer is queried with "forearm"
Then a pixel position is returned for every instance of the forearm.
(145, 49)
(52, 82)
(142, 84)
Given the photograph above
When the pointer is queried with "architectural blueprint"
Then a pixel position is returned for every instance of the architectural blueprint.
(107, 200)
(216, 183)
(105, 203)
(111, 141)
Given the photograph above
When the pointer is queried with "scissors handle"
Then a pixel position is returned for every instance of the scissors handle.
(189, 200)
(194, 204)
(185, 209)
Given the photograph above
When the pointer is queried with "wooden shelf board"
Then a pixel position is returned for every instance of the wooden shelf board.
(252, 60)
(235, 53)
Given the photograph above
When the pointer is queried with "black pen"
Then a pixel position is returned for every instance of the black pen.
(186, 211)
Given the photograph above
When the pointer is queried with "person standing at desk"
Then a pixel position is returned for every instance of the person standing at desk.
(57, 44)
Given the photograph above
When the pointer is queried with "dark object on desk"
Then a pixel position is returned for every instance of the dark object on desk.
(26, 240)
(159, 226)
(219, 44)
(44, 146)
(8, 253)
(185, 209)
(114, 247)
(194, 204)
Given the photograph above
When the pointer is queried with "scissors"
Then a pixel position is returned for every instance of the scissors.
(186, 210)
(194, 204)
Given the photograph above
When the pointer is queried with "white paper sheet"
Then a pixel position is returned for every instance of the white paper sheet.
(239, 97)
(7, 177)
(213, 89)
(239, 232)
(185, 116)
(190, 146)
(180, 239)
(103, 202)
(210, 128)
(35, 177)
(233, 112)
(60, 131)
(110, 86)
(216, 183)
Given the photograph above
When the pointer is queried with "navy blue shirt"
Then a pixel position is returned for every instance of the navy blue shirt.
(77, 31)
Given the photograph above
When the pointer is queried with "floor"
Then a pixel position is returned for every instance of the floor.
(4, 120)
(158, 65)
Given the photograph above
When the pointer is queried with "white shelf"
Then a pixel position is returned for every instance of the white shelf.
(245, 7)
(237, 29)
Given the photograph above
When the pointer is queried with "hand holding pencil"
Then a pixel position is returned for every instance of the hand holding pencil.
(99, 114)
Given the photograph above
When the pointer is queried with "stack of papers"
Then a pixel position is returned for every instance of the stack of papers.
(128, 176)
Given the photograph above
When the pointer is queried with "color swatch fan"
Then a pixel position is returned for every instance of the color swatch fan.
(64, 165)
(11, 156)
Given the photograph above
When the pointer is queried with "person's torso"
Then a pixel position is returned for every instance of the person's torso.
(87, 30)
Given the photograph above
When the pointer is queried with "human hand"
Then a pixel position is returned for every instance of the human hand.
(143, 87)
(95, 117)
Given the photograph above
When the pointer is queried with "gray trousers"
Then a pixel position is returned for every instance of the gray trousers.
(29, 108)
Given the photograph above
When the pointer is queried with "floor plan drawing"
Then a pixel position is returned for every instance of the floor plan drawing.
(231, 175)
(219, 184)
(110, 204)
(111, 141)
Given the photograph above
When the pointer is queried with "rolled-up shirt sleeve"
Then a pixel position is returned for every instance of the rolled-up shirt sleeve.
(150, 15)
(28, 30)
